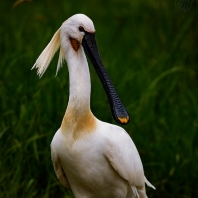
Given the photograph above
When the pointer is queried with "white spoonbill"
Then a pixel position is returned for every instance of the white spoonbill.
(93, 158)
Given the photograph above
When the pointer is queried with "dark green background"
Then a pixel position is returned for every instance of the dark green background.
(150, 51)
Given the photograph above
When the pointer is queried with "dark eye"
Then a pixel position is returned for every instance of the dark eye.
(81, 29)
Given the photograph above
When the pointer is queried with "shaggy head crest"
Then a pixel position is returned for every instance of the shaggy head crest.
(47, 55)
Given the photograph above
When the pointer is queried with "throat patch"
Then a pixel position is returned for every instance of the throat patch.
(75, 44)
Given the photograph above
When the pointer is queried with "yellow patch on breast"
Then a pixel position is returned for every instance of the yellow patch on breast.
(78, 125)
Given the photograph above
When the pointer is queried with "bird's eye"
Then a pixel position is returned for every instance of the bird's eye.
(81, 29)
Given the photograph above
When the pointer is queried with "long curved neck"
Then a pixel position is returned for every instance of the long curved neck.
(79, 81)
(78, 109)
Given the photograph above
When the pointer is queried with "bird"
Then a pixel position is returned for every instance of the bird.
(93, 158)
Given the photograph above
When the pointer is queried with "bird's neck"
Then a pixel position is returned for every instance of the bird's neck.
(78, 109)
(79, 81)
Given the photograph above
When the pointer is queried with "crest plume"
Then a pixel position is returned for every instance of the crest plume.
(47, 55)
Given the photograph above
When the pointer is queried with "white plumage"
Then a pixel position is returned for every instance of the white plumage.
(93, 158)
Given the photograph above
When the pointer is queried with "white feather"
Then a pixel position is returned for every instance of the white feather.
(47, 55)
(60, 60)
(135, 192)
(148, 183)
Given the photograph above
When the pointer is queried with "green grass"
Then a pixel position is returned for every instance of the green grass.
(150, 51)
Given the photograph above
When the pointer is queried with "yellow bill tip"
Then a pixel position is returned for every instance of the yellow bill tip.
(124, 120)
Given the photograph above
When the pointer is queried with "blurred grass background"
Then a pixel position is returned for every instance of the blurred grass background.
(150, 51)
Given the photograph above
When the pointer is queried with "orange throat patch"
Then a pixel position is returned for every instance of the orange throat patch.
(75, 44)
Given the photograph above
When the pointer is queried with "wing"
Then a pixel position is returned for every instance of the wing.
(124, 157)
(59, 170)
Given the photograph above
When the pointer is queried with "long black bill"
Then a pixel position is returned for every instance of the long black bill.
(118, 111)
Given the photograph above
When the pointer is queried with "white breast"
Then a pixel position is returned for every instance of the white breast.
(86, 165)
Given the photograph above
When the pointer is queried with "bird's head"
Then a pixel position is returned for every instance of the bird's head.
(75, 28)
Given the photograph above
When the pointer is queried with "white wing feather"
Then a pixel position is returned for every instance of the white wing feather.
(124, 157)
